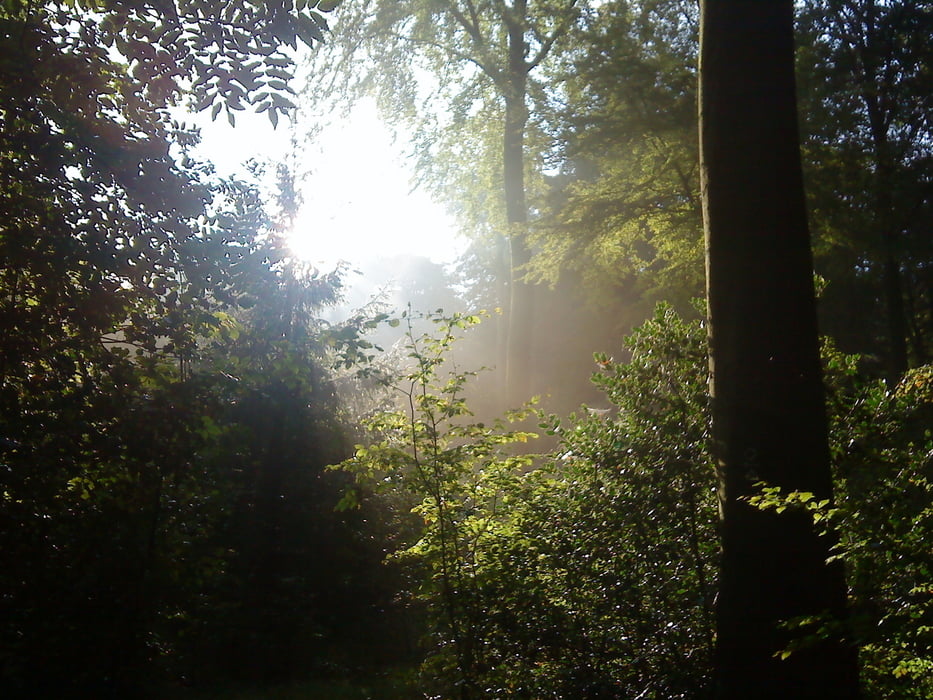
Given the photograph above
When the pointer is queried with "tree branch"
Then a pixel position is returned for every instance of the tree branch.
(559, 31)
(471, 25)
(488, 69)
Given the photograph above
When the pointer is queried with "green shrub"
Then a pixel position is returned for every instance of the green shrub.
(589, 572)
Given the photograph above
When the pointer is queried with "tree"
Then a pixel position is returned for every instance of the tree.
(119, 256)
(624, 212)
(867, 86)
(480, 58)
(450, 470)
(769, 418)
(882, 452)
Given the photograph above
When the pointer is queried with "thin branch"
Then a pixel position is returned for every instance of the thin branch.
(491, 71)
(474, 15)
(558, 32)
(471, 26)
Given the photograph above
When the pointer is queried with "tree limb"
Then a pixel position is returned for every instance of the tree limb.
(559, 31)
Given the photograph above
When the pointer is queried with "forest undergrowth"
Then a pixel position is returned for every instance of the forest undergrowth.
(590, 571)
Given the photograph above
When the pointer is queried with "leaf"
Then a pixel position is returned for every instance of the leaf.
(282, 103)
(204, 102)
(276, 72)
(280, 61)
(308, 30)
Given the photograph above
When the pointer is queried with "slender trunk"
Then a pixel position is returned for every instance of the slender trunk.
(892, 285)
(896, 313)
(766, 387)
(503, 273)
(914, 329)
(521, 299)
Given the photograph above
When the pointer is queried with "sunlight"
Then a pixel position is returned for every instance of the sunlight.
(355, 185)
(358, 204)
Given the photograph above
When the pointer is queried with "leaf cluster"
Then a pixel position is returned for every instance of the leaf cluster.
(625, 203)
(590, 571)
(882, 447)
(563, 575)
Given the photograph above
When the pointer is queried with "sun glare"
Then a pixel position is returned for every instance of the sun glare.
(357, 200)
(358, 204)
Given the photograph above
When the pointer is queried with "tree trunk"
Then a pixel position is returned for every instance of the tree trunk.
(871, 54)
(894, 304)
(892, 287)
(521, 298)
(766, 387)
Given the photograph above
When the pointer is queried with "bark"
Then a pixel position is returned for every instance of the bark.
(872, 56)
(896, 313)
(521, 298)
(766, 387)
(892, 285)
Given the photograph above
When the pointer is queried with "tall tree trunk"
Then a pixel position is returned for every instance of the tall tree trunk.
(768, 404)
(892, 285)
(503, 282)
(871, 55)
(521, 297)
(896, 312)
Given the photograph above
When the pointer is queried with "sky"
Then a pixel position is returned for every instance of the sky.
(358, 200)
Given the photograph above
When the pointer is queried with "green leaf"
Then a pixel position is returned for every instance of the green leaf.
(308, 30)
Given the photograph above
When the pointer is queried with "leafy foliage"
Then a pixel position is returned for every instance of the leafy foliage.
(153, 330)
(586, 573)
(166, 410)
(590, 571)
(603, 586)
(884, 447)
(865, 98)
(624, 209)
(225, 55)
(454, 473)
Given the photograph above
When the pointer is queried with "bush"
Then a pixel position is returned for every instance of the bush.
(590, 572)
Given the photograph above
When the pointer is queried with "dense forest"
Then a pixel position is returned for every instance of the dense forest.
(665, 430)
